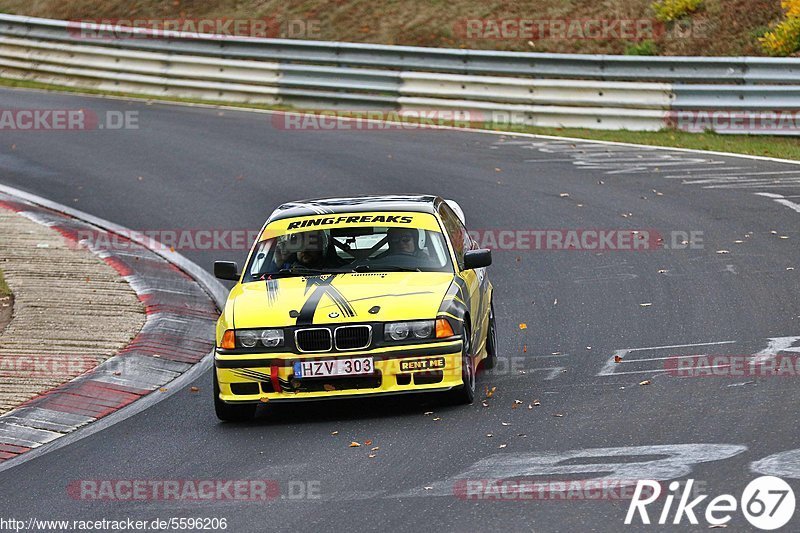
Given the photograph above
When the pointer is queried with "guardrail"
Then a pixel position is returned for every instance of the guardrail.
(557, 90)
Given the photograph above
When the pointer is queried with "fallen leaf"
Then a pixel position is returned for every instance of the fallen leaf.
(537, 403)
(194, 389)
(663, 271)
(490, 393)
(328, 387)
(428, 488)
(489, 435)
(738, 241)
(505, 423)
(530, 406)
(523, 325)
(334, 432)
(426, 413)
(524, 348)
(555, 302)
(588, 347)
(367, 442)
(437, 418)
(517, 402)
(514, 406)
(163, 389)
(375, 449)
(617, 359)
(497, 169)
(263, 400)
(773, 232)
(647, 304)
(371, 456)
(502, 445)
(645, 382)
(485, 404)
(564, 195)
(354, 444)
(784, 236)
(117, 373)
(523, 435)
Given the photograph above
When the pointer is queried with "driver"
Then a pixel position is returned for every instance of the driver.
(309, 246)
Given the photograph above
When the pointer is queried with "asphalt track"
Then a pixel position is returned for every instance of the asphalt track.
(204, 168)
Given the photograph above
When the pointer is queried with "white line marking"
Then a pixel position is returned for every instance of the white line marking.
(775, 346)
(608, 367)
(706, 169)
(659, 358)
(791, 205)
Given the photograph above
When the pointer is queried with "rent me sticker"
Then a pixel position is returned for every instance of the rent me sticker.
(432, 363)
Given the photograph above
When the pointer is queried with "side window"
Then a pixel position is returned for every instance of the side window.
(459, 237)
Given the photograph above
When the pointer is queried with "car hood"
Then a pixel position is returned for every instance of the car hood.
(337, 298)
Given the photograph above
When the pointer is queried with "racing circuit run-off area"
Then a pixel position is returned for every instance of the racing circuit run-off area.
(410, 266)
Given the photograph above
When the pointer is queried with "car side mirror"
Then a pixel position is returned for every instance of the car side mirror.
(227, 270)
(477, 259)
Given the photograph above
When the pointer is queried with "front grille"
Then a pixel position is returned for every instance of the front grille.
(353, 337)
(313, 340)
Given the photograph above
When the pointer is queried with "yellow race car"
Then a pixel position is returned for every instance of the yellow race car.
(345, 297)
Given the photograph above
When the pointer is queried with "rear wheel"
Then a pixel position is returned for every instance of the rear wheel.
(491, 341)
(465, 394)
(231, 412)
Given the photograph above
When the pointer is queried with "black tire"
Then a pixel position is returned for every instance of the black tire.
(491, 342)
(231, 412)
(465, 394)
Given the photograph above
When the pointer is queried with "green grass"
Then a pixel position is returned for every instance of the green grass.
(4, 290)
(759, 145)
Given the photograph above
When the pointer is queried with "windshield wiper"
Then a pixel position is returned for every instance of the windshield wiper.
(291, 272)
(387, 268)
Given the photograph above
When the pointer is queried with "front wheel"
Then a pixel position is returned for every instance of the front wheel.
(230, 412)
(465, 394)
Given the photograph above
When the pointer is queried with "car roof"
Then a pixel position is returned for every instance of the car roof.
(354, 204)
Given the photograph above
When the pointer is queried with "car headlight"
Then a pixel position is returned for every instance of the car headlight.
(400, 331)
(272, 338)
(268, 338)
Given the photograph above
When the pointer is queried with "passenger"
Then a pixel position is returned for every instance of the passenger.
(403, 241)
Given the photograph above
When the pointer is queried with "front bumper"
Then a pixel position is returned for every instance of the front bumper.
(254, 378)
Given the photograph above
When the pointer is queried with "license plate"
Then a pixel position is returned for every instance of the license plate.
(334, 367)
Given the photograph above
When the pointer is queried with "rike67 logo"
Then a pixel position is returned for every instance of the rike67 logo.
(767, 503)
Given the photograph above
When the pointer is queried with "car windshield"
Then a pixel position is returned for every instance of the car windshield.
(349, 249)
